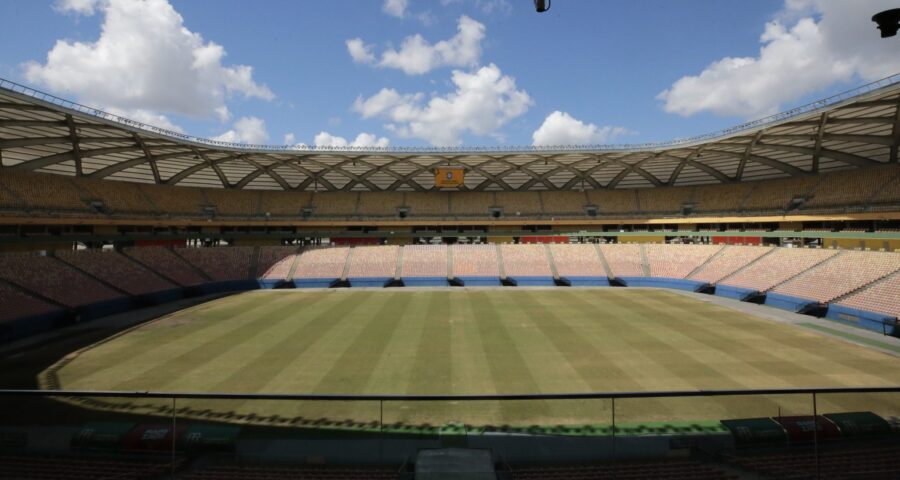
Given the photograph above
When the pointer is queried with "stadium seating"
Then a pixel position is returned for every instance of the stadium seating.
(373, 265)
(476, 264)
(579, 264)
(220, 264)
(117, 197)
(840, 275)
(527, 264)
(850, 188)
(721, 198)
(166, 263)
(613, 202)
(519, 203)
(379, 204)
(776, 195)
(563, 203)
(624, 260)
(845, 463)
(117, 269)
(54, 279)
(881, 297)
(672, 470)
(334, 204)
(472, 203)
(318, 267)
(284, 204)
(17, 304)
(174, 200)
(664, 200)
(777, 267)
(732, 259)
(80, 467)
(677, 261)
(275, 262)
(233, 203)
(424, 265)
(44, 192)
(292, 472)
(428, 204)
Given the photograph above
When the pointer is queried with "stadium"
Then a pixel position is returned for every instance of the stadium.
(720, 306)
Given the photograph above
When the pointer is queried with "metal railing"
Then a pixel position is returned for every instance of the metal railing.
(754, 124)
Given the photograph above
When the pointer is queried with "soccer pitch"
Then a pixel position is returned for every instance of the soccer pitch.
(471, 341)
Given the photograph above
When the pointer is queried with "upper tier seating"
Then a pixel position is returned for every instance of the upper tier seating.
(624, 260)
(53, 279)
(577, 260)
(233, 203)
(116, 269)
(374, 262)
(424, 261)
(525, 261)
(677, 261)
(777, 267)
(322, 262)
(519, 203)
(840, 275)
(284, 204)
(175, 200)
(564, 203)
(721, 198)
(334, 204)
(429, 204)
(882, 297)
(664, 200)
(613, 202)
(220, 264)
(732, 259)
(850, 187)
(166, 263)
(472, 203)
(117, 197)
(776, 195)
(18, 304)
(475, 261)
(379, 204)
(44, 192)
(275, 262)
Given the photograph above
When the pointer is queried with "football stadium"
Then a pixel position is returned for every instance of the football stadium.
(718, 306)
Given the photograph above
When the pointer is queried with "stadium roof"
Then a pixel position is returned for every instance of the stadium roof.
(43, 133)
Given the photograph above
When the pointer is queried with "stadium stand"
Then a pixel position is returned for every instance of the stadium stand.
(380, 204)
(613, 202)
(563, 203)
(334, 203)
(732, 259)
(53, 279)
(841, 274)
(579, 264)
(44, 192)
(282, 204)
(166, 263)
(472, 203)
(79, 467)
(117, 197)
(664, 200)
(233, 203)
(672, 469)
(424, 265)
(373, 265)
(175, 200)
(431, 204)
(774, 269)
(856, 463)
(881, 297)
(677, 261)
(776, 195)
(721, 198)
(114, 268)
(221, 264)
(476, 264)
(318, 267)
(17, 304)
(527, 264)
(624, 260)
(519, 203)
(275, 262)
(851, 188)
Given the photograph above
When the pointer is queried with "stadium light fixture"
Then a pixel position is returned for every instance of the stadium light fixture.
(542, 5)
(888, 22)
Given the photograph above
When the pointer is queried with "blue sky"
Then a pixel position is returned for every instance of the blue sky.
(481, 72)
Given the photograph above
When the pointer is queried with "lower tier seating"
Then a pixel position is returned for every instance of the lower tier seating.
(672, 470)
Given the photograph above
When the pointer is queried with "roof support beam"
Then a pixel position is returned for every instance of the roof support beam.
(690, 161)
(770, 162)
(260, 169)
(739, 174)
(844, 157)
(215, 166)
(66, 156)
(76, 146)
(820, 134)
(635, 168)
(187, 172)
(153, 168)
(896, 135)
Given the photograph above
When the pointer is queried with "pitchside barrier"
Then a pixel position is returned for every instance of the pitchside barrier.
(388, 429)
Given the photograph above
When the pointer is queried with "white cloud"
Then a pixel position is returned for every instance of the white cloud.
(250, 130)
(325, 139)
(560, 128)
(829, 41)
(144, 59)
(417, 56)
(360, 52)
(289, 139)
(395, 8)
(148, 117)
(488, 7)
(482, 103)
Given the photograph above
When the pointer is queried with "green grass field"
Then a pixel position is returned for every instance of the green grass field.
(478, 342)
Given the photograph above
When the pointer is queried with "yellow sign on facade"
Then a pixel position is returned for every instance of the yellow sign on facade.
(446, 177)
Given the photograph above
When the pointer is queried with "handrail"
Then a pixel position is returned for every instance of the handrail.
(894, 79)
(431, 398)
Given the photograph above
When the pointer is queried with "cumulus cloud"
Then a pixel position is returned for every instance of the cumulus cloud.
(145, 59)
(395, 8)
(811, 45)
(488, 7)
(482, 103)
(325, 139)
(289, 139)
(148, 117)
(417, 56)
(560, 128)
(250, 130)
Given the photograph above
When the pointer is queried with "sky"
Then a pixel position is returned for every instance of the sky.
(388, 73)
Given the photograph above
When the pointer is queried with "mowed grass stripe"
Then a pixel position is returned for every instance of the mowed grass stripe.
(432, 371)
(393, 369)
(161, 344)
(208, 344)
